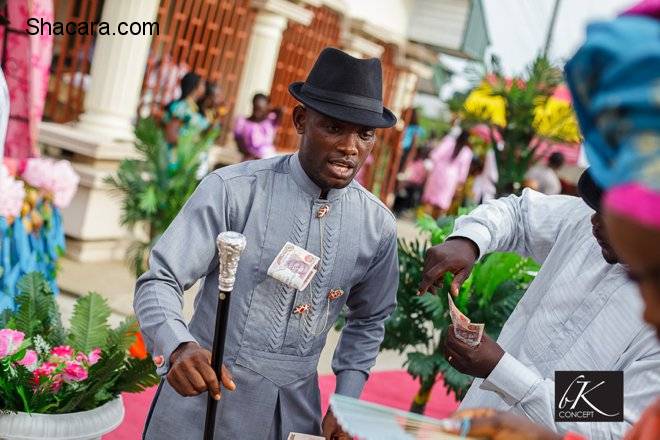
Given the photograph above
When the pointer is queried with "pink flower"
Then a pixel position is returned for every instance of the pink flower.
(61, 353)
(74, 372)
(12, 193)
(57, 179)
(10, 341)
(94, 356)
(29, 361)
(81, 358)
(44, 370)
(57, 382)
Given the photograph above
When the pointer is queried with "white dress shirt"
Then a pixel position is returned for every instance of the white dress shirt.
(580, 313)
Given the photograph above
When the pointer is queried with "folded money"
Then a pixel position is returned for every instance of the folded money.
(294, 266)
(298, 436)
(370, 421)
(464, 330)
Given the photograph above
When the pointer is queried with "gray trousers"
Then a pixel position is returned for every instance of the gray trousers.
(257, 410)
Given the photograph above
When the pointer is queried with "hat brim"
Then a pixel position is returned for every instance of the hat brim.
(344, 113)
(589, 191)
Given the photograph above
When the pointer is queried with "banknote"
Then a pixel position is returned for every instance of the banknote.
(298, 436)
(294, 266)
(464, 330)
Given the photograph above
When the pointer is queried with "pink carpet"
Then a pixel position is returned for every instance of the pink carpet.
(391, 388)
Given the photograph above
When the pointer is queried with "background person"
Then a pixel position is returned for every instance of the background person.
(255, 135)
(544, 177)
(412, 139)
(451, 166)
(182, 115)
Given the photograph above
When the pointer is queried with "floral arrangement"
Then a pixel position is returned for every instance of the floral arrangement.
(553, 116)
(46, 368)
(527, 112)
(32, 193)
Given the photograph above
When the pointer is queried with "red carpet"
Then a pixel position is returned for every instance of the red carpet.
(391, 388)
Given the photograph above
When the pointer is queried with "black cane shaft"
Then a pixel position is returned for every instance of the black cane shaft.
(217, 353)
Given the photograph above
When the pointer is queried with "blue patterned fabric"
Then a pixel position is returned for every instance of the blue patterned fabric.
(615, 82)
(22, 252)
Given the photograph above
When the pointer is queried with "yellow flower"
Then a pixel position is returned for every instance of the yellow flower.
(483, 106)
(555, 120)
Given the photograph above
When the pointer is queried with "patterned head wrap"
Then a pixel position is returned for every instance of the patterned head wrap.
(615, 82)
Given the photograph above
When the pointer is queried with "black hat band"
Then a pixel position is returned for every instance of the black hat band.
(356, 101)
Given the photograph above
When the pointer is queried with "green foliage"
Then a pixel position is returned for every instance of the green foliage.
(489, 295)
(89, 323)
(155, 186)
(37, 312)
(439, 126)
(139, 374)
(38, 318)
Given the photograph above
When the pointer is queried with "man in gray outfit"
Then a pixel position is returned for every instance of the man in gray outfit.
(276, 333)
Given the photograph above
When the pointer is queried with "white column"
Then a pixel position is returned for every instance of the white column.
(360, 47)
(264, 48)
(260, 60)
(118, 66)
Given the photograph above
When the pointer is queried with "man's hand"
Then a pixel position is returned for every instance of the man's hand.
(495, 425)
(191, 373)
(456, 255)
(476, 361)
(331, 429)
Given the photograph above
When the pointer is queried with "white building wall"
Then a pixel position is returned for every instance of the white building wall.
(392, 15)
(440, 23)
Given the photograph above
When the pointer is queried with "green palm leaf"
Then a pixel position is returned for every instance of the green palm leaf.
(139, 375)
(34, 301)
(123, 336)
(89, 323)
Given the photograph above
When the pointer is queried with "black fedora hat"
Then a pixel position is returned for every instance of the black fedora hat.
(589, 190)
(345, 88)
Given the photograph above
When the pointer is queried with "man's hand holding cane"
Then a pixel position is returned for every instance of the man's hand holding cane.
(191, 373)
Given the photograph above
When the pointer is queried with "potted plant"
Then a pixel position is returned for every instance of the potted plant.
(155, 186)
(65, 383)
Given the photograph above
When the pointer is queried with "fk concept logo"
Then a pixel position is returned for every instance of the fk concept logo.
(588, 396)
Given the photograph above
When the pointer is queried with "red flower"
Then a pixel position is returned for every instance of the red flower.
(138, 350)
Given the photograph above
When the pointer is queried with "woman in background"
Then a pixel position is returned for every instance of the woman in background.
(451, 165)
(255, 135)
(412, 137)
(182, 115)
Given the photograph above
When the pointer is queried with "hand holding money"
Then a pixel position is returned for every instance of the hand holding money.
(464, 330)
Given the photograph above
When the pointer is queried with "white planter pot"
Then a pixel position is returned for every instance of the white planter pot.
(85, 425)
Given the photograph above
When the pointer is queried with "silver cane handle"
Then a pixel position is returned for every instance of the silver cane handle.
(230, 245)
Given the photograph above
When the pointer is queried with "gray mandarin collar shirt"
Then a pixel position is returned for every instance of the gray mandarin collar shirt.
(272, 352)
(579, 313)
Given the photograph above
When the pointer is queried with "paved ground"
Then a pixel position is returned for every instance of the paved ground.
(115, 281)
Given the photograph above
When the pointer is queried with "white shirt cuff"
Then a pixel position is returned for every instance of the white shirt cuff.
(510, 379)
(476, 232)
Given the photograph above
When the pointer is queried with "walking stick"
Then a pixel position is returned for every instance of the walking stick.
(230, 246)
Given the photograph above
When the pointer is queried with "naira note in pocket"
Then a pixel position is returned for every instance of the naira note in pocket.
(294, 266)
(298, 436)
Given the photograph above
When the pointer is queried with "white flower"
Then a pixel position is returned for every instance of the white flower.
(41, 345)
